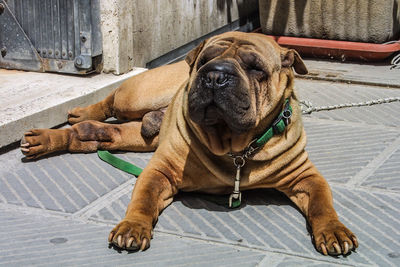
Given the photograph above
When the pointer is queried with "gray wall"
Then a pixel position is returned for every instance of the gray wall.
(374, 21)
(138, 31)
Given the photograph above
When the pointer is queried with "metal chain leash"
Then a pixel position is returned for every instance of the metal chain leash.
(395, 63)
(307, 107)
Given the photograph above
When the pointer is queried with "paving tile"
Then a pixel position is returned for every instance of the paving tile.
(328, 93)
(297, 261)
(51, 241)
(387, 176)
(341, 151)
(374, 218)
(65, 183)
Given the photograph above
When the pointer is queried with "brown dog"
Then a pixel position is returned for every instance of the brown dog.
(231, 89)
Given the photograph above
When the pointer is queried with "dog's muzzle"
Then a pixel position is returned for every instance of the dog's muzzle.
(219, 95)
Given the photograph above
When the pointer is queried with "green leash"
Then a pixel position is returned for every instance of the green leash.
(132, 169)
(119, 163)
(235, 199)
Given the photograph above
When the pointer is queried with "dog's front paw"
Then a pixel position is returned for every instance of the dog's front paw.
(334, 238)
(131, 235)
(35, 143)
(77, 114)
(93, 112)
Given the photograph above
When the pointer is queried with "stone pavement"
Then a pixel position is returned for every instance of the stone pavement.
(58, 211)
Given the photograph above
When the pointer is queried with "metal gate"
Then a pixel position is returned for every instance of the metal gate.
(50, 35)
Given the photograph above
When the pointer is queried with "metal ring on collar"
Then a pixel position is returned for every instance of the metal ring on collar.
(286, 114)
(239, 161)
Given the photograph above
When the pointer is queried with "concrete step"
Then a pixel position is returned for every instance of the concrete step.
(41, 100)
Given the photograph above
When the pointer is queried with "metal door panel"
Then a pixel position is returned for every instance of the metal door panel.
(50, 35)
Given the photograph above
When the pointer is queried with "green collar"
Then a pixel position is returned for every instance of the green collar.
(277, 127)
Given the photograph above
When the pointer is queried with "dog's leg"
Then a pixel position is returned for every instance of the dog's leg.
(98, 112)
(153, 192)
(87, 136)
(151, 90)
(312, 194)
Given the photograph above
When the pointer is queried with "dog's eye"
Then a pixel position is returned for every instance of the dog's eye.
(252, 63)
(257, 71)
(255, 67)
(259, 75)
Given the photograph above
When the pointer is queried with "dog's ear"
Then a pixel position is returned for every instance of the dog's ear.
(192, 55)
(290, 58)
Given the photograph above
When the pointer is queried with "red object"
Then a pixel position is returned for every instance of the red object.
(342, 50)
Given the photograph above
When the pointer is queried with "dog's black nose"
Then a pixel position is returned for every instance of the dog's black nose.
(217, 74)
(215, 79)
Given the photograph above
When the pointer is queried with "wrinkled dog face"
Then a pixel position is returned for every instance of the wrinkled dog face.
(232, 79)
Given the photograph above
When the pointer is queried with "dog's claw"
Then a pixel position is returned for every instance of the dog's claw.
(119, 241)
(25, 145)
(324, 250)
(337, 248)
(110, 237)
(24, 149)
(130, 242)
(346, 248)
(144, 245)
